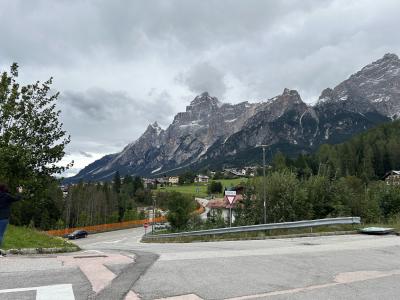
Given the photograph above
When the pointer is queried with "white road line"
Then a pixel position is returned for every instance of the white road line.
(95, 251)
(60, 292)
(49, 292)
(110, 242)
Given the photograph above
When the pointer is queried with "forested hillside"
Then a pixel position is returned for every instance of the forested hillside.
(368, 155)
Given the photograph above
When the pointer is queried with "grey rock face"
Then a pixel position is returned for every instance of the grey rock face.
(188, 137)
(374, 87)
(210, 132)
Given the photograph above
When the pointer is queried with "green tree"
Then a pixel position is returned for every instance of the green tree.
(32, 140)
(214, 187)
(117, 182)
(279, 162)
(187, 177)
(180, 208)
(286, 198)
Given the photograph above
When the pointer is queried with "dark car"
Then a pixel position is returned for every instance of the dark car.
(77, 234)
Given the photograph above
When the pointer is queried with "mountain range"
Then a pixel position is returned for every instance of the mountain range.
(211, 134)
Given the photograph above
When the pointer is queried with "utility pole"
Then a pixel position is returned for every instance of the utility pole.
(264, 192)
(154, 208)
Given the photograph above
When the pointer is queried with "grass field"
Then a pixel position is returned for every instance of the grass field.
(200, 189)
(22, 237)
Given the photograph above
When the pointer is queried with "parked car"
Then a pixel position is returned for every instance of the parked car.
(77, 234)
(161, 226)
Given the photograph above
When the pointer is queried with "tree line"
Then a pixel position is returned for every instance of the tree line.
(338, 180)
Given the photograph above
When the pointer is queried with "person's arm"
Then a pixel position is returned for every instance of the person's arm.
(7, 198)
(14, 198)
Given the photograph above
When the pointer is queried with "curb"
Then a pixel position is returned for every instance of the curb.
(31, 251)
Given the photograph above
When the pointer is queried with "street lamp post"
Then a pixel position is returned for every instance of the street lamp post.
(264, 191)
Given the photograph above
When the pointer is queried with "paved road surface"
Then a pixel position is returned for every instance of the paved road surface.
(334, 267)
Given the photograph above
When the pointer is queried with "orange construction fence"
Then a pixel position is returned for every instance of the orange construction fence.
(112, 226)
(105, 227)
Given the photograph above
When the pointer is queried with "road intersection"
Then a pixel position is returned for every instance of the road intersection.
(116, 265)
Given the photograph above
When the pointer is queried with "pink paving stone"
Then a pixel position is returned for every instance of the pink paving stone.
(132, 296)
(93, 266)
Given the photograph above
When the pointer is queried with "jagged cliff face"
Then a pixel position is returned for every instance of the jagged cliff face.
(212, 133)
(190, 135)
(375, 87)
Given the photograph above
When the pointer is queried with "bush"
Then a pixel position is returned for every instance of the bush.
(180, 208)
(215, 187)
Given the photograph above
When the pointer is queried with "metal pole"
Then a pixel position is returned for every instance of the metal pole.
(154, 207)
(230, 215)
(265, 204)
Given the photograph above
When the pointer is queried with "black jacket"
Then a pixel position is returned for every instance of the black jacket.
(5, 203)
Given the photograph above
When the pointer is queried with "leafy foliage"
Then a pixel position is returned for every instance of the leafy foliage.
(32, 141)
(32, 144)
(214, 187)
(180, 208)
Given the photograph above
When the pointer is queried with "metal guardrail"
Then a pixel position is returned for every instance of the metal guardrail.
(261, 227)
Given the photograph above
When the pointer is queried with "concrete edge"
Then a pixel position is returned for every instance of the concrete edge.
(32, 251)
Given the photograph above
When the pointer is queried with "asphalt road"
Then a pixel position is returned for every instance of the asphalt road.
(332, 267)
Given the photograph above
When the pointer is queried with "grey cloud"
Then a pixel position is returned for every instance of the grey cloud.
(103, 121)
(85, 154)
(204, 77)
(123, 64)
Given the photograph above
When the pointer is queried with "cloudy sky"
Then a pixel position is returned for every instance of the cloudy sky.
(121, 65)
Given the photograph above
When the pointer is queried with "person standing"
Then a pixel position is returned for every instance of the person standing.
(6, 199)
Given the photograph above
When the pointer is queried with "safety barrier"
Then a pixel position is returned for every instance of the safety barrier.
(261, 227)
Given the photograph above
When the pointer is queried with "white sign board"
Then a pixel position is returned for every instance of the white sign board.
(230, 195)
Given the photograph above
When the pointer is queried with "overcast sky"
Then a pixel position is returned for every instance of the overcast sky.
(121, 65)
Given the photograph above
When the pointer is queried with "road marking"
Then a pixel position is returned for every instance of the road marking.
(95, 251)
(110, 242)
(49, 292)
(341, 278)
(114, 242)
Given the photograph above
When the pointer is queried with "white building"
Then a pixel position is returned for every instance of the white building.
(202, 179)
(221, 206)
(173, 180)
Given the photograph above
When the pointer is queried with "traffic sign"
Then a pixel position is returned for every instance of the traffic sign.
(230, 195)
(145, 225)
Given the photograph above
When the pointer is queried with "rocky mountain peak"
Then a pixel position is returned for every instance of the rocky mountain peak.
(153, 129)
(388, 65)
(390, 56)
(326, 95)
(204, 99)
(288, 98)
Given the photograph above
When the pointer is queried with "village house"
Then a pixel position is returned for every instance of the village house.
(173, 180)
(221, 206)
(149, 183)
(202, 179)
(392, 177)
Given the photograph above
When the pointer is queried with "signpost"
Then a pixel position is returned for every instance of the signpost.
(231, 196)
(145, 225)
